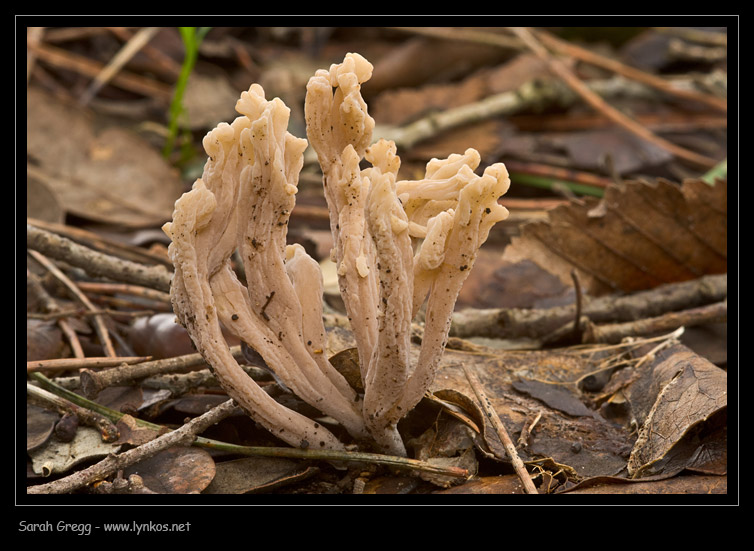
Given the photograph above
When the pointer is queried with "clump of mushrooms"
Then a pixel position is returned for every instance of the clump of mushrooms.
(397, 244)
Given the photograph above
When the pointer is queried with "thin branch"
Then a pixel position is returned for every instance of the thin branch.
(538, 323)
(510, 447)
(85, 66)
(94, 262)
(118, 61)
(62, 364)
(615, 332)
(126, 289)
(99, 323)
(92, 382)
(184, 435)
(102, 244)
(561, 70)
(86, 416)
(577, 317)
(80, 313)
(257, 451)
(630, 72)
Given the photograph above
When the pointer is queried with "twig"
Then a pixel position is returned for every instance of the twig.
(532, 93)
(119, 60)
(33, 37)
(523, 440)
(78, 312)
(126, 289)
(50, 305)
(184, 435)
(337, 456)
(62, 364)
(88, 417)
(537, 323)
(577, 316)
(696, 35)
(615, 332)
(92, 382)
(102, 244)
(468, 35)
(96, 263)
(561, 70)
(99, 323)
(170, 68)
(258, 451)
(128, 81)
(494, 418)
(561, 173)
(629, 72)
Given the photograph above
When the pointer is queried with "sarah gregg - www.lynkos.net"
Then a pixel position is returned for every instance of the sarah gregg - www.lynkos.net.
(85, 529)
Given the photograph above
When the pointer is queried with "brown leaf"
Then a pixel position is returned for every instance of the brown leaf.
(109, 175)
(39, 426)
(130, 432)
(44, 340)
(41, 202)
(555, 396)
(638, 236)
(685, 424)
(256, 475)
(583, 446)
(447, 443)
(628, 154)
(419, 60)
(497, 485)
(688, 484)
(176, 470)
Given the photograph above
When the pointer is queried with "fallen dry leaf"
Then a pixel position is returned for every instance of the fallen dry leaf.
(682, 484)
(176, 470)
(251, 475)
(39, 426)
(685, 424)
(57, 457)
(638, 236)
(104, 174)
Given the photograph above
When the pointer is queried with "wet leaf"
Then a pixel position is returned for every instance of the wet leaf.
(346, 362)
(176, 470)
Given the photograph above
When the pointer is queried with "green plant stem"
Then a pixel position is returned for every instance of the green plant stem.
(192, 38)
(551, 184)
(260, 451)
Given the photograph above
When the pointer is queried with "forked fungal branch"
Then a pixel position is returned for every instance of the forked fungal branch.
(243, 202)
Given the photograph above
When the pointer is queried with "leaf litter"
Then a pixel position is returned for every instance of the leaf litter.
(589, 417)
